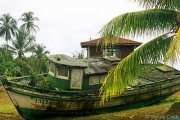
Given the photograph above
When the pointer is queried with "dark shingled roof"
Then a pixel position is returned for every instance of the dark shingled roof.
(120, 41)
(97, 66)
(93, 66)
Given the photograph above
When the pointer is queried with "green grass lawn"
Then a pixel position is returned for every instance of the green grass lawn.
(8, 111)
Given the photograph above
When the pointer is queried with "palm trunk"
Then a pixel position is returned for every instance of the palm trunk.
(7, 44)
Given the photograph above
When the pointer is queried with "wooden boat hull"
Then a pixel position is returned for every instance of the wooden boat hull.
(31, 113)
(33, 104)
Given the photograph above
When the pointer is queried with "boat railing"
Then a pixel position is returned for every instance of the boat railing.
(24, 77)
(13, 84)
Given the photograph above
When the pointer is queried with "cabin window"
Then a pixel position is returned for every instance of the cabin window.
(93, 80)
(62, 72)
(51, 68)
(102, 77)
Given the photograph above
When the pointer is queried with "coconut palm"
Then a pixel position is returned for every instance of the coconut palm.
(22, 44)
(79, 55)
(8, 26)
(160, 18)
(40, 54)
(28, 20)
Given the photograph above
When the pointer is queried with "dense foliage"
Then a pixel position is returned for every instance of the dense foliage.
(13, 57)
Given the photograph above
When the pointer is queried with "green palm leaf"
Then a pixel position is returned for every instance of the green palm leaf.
(169, 4)
(173, 53)
(122, 75)
(153, 21)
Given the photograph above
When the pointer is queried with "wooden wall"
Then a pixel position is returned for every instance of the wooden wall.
(126, 50)
(95, 52)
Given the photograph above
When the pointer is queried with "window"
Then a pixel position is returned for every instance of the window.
(109, 52)
(93, 80)
(51, 68)
(112, 51)
(102, 77)
(62, 72)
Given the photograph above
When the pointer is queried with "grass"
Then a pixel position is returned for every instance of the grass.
(143, 113)
(8, 111)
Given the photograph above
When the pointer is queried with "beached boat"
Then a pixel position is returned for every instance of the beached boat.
(74, 88)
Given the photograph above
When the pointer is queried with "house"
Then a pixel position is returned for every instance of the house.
(120, 49)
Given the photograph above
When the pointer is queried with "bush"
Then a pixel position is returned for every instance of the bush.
(44, 84)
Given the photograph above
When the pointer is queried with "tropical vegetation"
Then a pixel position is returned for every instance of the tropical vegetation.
(14, 59)
(79, 55)
(40, 54)
(161, 19)
(8, 26)
(28, 20)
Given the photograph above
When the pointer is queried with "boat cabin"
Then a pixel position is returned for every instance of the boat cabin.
(66, 73)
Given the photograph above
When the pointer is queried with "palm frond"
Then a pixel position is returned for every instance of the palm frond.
(151, 22)
(169, 4)
(35, 18)
(12, 49)
(123, 74)
(35, 26)
(173, 53)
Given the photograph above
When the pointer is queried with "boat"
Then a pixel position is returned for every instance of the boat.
(74, 88)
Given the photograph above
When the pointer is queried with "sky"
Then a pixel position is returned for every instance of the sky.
(64, 24)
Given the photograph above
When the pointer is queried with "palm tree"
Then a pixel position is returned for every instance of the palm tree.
(8, 26)
(22, 44)
(79, 55)
(161, 18)
(28, 20)
(40, 54)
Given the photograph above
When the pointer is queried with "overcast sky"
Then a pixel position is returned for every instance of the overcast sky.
(65, 23)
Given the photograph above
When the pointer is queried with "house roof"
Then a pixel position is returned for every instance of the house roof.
(119, 42)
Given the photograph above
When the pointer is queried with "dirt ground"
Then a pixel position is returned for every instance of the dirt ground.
(7, 109)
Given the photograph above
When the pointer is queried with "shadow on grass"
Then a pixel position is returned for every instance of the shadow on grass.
(174, 112)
